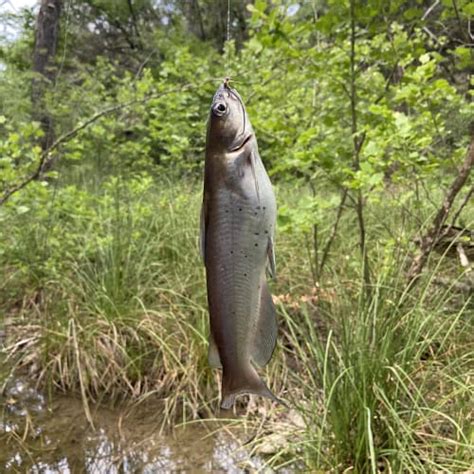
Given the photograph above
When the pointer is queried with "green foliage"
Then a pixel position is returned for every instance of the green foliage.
(375, 401)
(355, 109)
(410, 113)
(18, 150)
(114, 285)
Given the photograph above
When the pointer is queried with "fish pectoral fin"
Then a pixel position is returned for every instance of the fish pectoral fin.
(266, 331)
(213, 354)
(271, 266)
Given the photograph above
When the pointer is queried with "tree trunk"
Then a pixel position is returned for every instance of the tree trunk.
(194, 19)
(46, 40)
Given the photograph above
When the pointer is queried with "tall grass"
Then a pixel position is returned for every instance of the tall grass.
(122, 312)
(389, 386)
(105, 297)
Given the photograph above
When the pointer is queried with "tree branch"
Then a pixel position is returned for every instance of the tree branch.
(45, 156)
(358, 142)
(434, 234)
(331, 238)
(135, 22)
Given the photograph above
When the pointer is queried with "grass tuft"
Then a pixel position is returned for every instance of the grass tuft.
(380, 390)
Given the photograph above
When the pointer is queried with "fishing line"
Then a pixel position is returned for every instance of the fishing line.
(228, 20)
(227, 50)
(227, 61)
(237, 96)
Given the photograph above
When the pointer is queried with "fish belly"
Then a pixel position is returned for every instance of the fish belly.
(239, 227)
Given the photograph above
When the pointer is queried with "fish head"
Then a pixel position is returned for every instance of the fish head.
(228, 127)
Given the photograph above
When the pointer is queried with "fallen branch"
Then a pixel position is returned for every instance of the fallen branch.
(435, 233)
(46, 157)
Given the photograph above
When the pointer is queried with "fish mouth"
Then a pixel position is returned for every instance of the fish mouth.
(219, 105)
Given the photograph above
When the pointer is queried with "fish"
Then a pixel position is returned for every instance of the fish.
(237, 229)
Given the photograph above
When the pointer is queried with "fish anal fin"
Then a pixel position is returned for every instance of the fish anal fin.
(266, 330)
(213, 354)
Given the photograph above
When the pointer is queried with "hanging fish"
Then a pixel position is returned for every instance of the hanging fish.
(237, 228)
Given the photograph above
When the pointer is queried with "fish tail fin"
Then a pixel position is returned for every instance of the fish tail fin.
(247, 382)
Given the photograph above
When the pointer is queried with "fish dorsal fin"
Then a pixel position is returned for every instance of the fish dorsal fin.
(266, 330)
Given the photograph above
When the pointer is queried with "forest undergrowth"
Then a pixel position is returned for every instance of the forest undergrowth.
(104, 297)
(363, 114)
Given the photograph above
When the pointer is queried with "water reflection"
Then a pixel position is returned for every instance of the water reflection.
(42, 439)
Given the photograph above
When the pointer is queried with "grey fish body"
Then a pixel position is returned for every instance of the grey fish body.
(238, 224)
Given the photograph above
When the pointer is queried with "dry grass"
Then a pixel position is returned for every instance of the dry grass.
(118, 312)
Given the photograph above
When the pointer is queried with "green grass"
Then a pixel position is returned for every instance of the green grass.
(121, 309)
(105, 297)
(389, 385)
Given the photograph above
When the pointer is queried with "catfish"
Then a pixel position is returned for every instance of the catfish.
(237, 245)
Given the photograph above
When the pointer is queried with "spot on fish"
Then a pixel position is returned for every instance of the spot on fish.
(264, 207)
(258, 207)
(256, 233)
(266, 232)
(256, 245)
(231, 252)
(245, 274)
(240, 209)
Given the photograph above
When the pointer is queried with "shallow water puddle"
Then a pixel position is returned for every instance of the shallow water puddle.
(52, 438)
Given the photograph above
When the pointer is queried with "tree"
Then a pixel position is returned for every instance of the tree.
(46, 41)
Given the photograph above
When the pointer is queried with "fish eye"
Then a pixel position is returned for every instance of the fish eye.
(219, 109)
